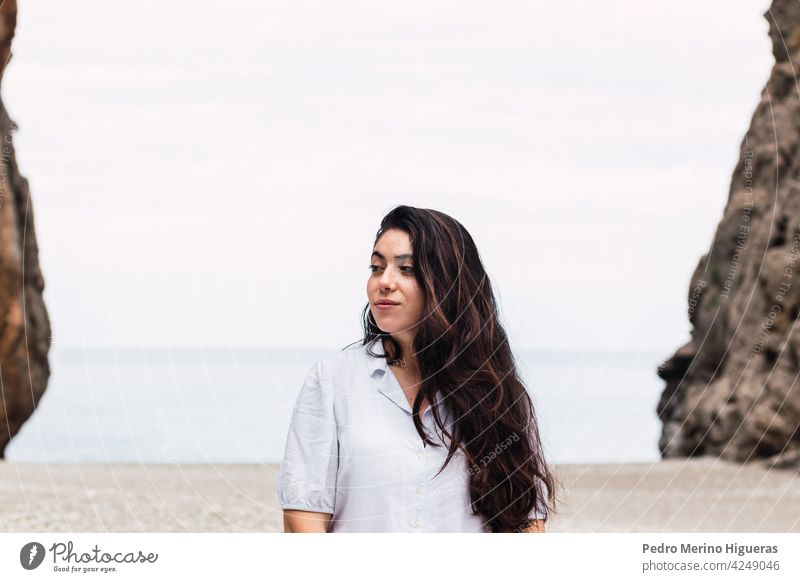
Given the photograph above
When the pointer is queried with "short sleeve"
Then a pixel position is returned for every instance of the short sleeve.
(307, 476)
(544, 491)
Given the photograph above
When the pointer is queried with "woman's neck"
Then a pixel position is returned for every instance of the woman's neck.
(403, 360)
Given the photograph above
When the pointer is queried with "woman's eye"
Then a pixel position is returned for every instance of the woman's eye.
(405, 269)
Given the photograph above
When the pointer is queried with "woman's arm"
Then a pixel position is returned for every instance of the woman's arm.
(307, 476)
(297, 521)
(535, 527)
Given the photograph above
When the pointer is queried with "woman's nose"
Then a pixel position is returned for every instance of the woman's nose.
(387, 278)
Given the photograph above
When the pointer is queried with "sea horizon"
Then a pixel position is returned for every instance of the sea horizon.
(223, 405)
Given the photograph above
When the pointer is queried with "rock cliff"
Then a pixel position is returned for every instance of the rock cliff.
(24, 325)
(733, 390)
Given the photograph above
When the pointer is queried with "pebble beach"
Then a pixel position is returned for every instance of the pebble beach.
(697, 495)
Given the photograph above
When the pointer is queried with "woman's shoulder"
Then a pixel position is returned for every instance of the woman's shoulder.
(353, 360)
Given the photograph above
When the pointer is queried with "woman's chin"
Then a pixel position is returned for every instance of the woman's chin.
(387, 326)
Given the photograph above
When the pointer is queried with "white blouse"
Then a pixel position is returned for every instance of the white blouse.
(352, 451)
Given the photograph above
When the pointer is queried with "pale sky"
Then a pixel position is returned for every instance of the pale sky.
(213, 174)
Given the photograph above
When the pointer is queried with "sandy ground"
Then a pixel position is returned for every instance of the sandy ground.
(700, 495)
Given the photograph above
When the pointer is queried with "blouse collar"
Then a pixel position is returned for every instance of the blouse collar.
(375, 363)
(385, 384)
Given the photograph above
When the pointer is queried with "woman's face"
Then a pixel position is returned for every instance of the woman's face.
(392, 279)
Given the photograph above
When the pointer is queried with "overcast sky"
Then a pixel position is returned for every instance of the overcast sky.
(214, 173)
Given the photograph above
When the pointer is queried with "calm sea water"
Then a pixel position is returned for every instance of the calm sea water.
(233, 406)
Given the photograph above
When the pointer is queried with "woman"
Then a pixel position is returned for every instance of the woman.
(425, 425)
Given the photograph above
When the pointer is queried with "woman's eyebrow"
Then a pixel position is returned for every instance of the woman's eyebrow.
(398, 257)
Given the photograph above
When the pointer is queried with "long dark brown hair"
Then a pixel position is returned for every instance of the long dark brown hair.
(464, 356)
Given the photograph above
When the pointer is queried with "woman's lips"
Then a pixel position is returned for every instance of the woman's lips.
(383, 306)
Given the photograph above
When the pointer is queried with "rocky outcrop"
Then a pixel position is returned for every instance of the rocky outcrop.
(733, 390)
(24, 326)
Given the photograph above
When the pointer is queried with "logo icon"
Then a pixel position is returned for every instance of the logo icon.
(31, 555)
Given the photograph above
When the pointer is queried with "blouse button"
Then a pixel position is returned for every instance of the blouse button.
(420, 489)
(419, 455)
